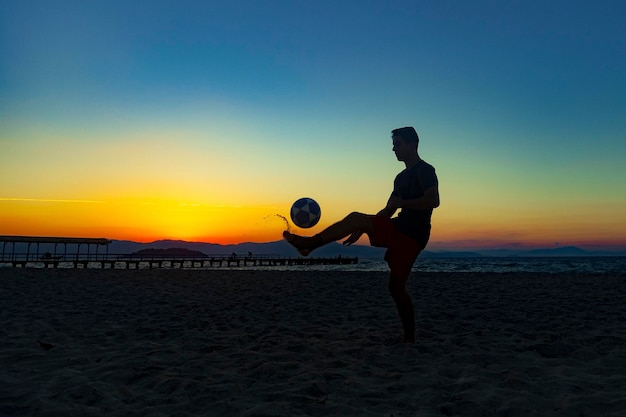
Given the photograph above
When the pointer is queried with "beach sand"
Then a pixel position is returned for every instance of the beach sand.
(266, 343)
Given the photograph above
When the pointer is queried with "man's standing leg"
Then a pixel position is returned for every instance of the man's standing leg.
(404, 304)
(400, 258)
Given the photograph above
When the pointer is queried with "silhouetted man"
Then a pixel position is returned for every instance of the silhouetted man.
(416, 194)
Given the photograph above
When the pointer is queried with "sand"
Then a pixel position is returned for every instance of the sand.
(266, 343)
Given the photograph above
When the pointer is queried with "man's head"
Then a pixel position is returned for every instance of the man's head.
(405, 141)
(408, 134)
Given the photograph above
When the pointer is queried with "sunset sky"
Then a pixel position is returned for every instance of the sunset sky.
(203, 120)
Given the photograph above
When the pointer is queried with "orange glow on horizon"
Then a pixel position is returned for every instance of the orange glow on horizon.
(141, 221)
(150, 220)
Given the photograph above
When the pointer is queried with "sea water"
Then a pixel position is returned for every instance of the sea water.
(576, 265)
(582, 265)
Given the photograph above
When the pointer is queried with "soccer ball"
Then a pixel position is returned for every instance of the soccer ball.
(305, 212)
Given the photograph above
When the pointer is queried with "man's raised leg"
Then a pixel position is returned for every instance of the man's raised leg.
(353, 222)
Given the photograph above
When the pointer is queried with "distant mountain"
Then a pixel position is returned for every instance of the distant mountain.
(279, 248)
(564, 251)
(282, 248)
(428, 254)
(553, 252)
(170, 252)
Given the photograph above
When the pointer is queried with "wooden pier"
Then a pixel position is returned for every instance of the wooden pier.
(124, 262)
(84, 253)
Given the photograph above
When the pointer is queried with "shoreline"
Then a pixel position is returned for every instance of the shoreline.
(225, 342)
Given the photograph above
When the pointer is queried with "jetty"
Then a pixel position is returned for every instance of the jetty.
(71, 252)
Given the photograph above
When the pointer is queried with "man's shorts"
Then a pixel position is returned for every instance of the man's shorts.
(402, 251)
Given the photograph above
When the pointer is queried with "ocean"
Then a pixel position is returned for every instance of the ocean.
(575, 265)
(582, 265)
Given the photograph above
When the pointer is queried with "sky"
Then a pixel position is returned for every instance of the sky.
(206, 120)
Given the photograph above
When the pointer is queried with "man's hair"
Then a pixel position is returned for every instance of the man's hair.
(408, 134)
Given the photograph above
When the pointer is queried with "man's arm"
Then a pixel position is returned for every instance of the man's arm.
(428, 201)
(387, 211)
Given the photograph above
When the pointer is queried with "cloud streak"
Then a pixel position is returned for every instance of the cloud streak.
(48, 200)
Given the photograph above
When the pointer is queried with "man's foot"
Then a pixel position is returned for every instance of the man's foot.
(301, 243)
(408, 340)
(400, 341)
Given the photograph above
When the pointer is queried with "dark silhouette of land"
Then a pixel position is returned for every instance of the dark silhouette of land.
(170, 252)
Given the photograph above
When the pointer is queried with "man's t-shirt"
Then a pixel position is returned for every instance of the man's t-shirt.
(410, 184)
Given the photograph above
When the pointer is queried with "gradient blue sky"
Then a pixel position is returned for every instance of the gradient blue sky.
(245, 106)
